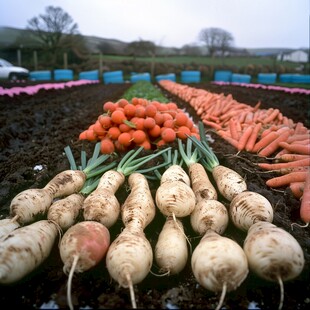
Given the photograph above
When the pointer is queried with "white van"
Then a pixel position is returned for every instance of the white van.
(10, 72)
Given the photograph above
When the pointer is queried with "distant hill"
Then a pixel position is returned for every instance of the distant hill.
(14, 37)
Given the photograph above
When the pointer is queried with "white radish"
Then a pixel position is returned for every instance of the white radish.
(209, 214)
(273, 254)
(171, 251)
(248, 208)
(33, 202)
(102, 205)
(65, 211)
(82, 247)
(130, 256)
(7, 226)
(24, 249)
(219, 264)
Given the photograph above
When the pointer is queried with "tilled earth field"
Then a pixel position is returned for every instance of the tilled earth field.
(34, 131)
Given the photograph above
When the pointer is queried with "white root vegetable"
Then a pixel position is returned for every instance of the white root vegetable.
(229, 182)
(171, 251)
(200, 182)
(273, 254)
(209, 214)
(130, 256)
(175, 173)
(7, 226)
(82, 247)
(102, 205)
(33, 202)
(248, 208)
(24, 249)
(175, 197)
(219, 264)
(139, 207)
(65, 211)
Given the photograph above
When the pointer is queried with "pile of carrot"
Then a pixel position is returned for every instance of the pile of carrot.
(126, 124)
(265, 132)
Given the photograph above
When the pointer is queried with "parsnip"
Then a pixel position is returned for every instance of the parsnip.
(102, 205)
(171, 252)
(33, 202)
(273, 254)
(248, 208)
(24, 249)
(209, 214)
(219, 264)
(65, 211)
(7, 226)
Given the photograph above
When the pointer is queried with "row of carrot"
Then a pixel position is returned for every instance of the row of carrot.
(126, 124)
(265, 132)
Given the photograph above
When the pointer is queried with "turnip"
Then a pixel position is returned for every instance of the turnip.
(171, 252)
(219, 264)
(102, 205)
(130, 256)
(82, 247)
(248, 207)
(7, 226)
(24, 249)
(209, 214)
(65, 211)
(273, 254)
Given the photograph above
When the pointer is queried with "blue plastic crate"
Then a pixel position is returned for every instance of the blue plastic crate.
(222, 76)
(190, 76)
(112, 77)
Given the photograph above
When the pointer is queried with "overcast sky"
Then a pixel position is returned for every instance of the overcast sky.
(252, 23)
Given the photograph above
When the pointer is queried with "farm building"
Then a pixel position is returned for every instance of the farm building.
(294, 56)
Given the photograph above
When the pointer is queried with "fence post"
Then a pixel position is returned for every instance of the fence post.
(35, 60)
(19, 57)
(65, 61)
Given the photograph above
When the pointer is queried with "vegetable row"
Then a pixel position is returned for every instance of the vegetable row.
(219, 264)
(284, 145)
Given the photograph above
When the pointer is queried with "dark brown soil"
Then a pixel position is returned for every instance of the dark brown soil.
(34, 131)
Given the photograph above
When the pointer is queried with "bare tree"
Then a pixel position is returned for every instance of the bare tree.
(141, 48)
(55, 30)
(216, 40)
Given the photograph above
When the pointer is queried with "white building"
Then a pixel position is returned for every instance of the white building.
(294, 56)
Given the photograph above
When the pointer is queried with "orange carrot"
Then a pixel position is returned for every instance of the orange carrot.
(271, 117)
(268, 130)
(291, 157)
(252, 139)
(168, 135)
(297, 189)
(300, 128)
(244, 138)
(287, 179)
(305, 202)
(212, 124)
(233, 129)
(274, 145)
(298, 137)
(296, 148)
(265, 141)
(290, 164)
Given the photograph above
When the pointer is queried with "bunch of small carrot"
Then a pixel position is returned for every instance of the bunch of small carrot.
(265, 132)
(125, 124)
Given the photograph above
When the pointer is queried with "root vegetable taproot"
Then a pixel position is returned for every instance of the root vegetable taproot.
(219, 264)
(7, 226)
(101, 204)
(248, 208)
(24, 249)
(273, 254)
(171, 251)
(33, 202)
(81, 248)
(65, 211)
(209, 214)
(305, 201)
